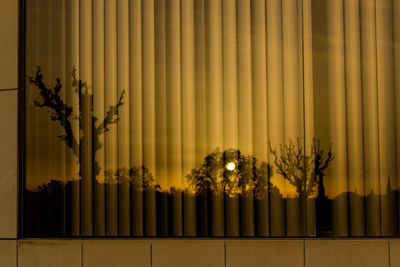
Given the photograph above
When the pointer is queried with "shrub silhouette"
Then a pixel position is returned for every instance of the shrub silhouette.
(51, 186)
(138, 177)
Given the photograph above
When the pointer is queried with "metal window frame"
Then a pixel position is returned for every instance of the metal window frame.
(21, 114)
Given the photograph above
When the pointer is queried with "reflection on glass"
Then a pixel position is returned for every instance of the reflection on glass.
(355, 57)
(212, 118)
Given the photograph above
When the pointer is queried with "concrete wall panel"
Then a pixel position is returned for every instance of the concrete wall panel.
(193, 253)
(8, 253)
(258, 253)
(394, 252)
(8, 163)
(8, 43)
(49, 253)
(108, 253)
(347, 253)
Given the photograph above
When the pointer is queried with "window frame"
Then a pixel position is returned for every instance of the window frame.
(21, 115)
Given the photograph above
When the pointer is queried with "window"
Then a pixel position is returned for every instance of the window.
(212, 118)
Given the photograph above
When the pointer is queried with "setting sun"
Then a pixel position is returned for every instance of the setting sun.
(231, 166)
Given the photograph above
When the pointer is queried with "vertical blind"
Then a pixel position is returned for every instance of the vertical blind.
(212, 118)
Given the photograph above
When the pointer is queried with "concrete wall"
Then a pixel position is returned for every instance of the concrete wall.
(193, 253)
(157, 253)
(8, 118)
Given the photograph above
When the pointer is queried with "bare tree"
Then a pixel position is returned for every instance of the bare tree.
(304, 172)
(320, 165)
(64, 114)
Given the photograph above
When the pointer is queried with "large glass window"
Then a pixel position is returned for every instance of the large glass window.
(212, 118)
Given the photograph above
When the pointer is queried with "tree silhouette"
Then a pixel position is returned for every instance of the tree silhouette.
(247, 178)
(302, 171)
(64, 114)
(209, 175)
(320, 164)
(262, 183)
(289, 161)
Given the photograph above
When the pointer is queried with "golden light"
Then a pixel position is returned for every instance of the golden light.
(231, 166)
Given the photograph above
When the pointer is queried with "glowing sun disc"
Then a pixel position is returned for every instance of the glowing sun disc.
(231, 166)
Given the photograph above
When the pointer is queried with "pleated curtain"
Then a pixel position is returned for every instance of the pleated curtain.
(194, 83)
(356, 56)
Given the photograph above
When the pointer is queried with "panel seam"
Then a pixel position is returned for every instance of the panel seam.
(81, 253)
(304, 252)
(225, 253)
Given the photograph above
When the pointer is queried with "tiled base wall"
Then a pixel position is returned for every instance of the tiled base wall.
(193, 253)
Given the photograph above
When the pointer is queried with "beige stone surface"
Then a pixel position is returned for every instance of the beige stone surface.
(258, 253)
(108, 253)
(395, 252)
(49, 253)
(188, 253)
(8, 253)
(8, 164)
(347, 253)
(8, 43)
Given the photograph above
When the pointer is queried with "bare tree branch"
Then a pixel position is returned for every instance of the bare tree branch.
(111, 116)
(59, 111)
